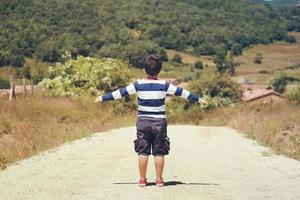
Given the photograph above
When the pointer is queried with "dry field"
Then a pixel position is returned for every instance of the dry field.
(276, 57)
(37, 123)
(4, 72)
(276, 125)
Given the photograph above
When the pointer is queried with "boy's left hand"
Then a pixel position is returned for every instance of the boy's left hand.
(98, 99)
(202, 101)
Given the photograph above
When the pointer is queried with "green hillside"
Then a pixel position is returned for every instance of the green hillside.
(281, 2)
(129, 29)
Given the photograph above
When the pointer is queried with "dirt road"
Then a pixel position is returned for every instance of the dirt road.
(205, 163)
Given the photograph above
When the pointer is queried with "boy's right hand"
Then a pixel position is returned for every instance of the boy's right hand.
(98, 99)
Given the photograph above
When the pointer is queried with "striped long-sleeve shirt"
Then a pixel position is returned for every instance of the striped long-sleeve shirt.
(151, 96)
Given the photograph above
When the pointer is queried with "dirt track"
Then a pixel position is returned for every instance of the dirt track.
(205, 163)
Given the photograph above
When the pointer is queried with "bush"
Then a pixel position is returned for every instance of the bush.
(225, 62)
(293, 67)
(280, 81)
(290, 39)
(4, 84)
(264, 72)
(37, 78)
(86, 75)
(23, 71)
(237, 49)
(258, 58)
(187, 78)
(220, 87)
(294, 95)
(177, 59)
(199, 65)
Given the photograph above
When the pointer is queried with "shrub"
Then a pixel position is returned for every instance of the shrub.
(187, 78)
(23, 71)
(177, 58)
(293, 67)
(225, 62)
(220, 87)
(37, 78)
(290, 39)
(199, 65)
(280, 81)
(264, 72)
(237, 49)
(294, 95)
(258, 58)
(181, 111)
(167, 68)
(4, 84)
(86, 75)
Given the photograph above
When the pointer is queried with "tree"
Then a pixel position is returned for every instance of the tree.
(236, 49)
(290, 39)
(225, 63)
(258, 58)
(47, 29)
(24, 72)
(199, 65)
(4, 84)
(177, 58)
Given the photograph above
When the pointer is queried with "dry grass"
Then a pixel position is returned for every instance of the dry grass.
(5, 72)
(34, 124)
(276, 57)
(274, 125)
(135, 33)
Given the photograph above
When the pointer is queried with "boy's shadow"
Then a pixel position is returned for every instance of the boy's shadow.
(169, 183)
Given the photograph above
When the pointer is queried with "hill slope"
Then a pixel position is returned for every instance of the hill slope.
(281, 2)
(47, 28)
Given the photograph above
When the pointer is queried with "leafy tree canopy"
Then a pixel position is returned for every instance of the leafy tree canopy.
(128, 29)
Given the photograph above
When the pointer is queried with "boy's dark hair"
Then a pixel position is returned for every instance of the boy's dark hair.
(152, 65)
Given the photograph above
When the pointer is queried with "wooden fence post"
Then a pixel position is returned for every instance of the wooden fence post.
(24, 86)
(12, 94)
(32, 86)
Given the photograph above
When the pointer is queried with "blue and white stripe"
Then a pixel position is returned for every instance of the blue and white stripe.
(151, 96)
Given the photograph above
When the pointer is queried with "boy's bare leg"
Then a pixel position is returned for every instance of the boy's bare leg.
(159, 166)
(143, 162)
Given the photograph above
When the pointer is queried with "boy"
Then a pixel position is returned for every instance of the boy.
(151, 123)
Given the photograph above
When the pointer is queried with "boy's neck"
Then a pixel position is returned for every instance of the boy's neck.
(152, 77)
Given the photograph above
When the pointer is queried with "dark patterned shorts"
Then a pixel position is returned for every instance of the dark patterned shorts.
(151, 135)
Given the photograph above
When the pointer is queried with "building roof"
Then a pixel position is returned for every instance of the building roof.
(251, 95)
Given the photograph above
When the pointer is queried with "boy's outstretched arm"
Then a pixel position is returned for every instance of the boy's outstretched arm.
(122, 92)
(178, 91)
